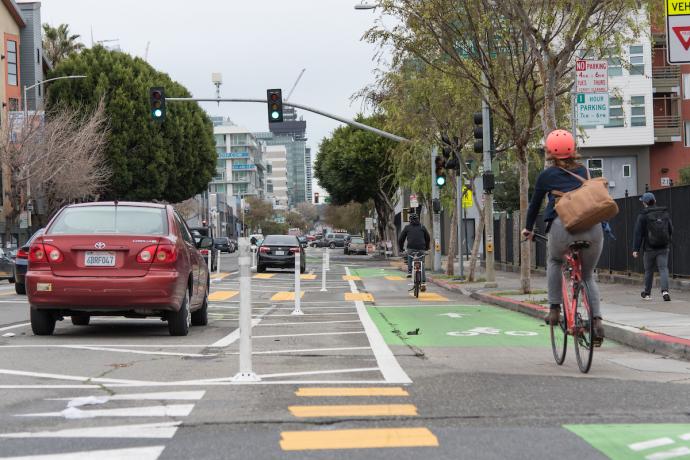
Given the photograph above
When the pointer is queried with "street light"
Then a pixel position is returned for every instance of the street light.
(365, 6)
(27, 88)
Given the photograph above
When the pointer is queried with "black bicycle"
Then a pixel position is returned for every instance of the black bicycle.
(417, 269)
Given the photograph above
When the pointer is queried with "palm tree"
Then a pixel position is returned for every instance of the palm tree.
(58, 43)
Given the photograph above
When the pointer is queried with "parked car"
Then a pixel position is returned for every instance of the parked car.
(317, 241)
(200, 232)
(278, 251)
(21, 262)
(6, 265)
(234, 244)
(355, 245)
(335, 240)
(117, 259)
(302, 241)
(224, 244)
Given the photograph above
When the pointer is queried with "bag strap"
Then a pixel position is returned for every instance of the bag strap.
(577, 176)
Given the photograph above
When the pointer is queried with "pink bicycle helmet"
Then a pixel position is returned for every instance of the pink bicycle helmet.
(560, 144)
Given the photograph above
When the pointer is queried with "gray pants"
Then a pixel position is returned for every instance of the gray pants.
(559, 240)
(655, 258)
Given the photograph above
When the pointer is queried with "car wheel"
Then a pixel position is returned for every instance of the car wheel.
(20, 288)
(81, 319)
(260, 268)
(200, 317)
(42, 322)
(179, 321)
(332, 245)
(303, 269)
(14, 277)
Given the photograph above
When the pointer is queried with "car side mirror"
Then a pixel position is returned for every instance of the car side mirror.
(205, 243)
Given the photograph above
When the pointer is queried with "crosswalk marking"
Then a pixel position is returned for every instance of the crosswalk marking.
(140, 453)
(285, 296)
(355, 410)
(431, 297)
(351, 391)
(222, 295)
(164, 430)
(363, 296)
(264, 276)
(358, 439)
(173, 410)
(175, 395)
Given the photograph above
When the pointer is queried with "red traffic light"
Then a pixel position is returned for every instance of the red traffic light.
(274, 97)
(157, 95)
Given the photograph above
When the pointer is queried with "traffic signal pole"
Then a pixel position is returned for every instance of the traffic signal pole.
(488, 196)
(435, 195)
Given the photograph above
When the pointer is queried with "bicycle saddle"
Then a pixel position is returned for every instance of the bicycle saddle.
(577, 245)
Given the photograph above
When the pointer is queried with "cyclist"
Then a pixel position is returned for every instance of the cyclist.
(418, 240)
(561, 154)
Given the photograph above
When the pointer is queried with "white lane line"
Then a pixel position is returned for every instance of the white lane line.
(673, 453)
(390, 367)
(15, 326)
(314, 314)
(652, 443)
(71, 377)
(269, 302)
(192, 383)
(233, 336)
(425, 305)
(114, 345)
(310, 322)
(138, 352)
(173, 410)
(172, 395)
(337, 371)
(140, 453)
(15, 301)
(164, 430)
(307, 350)
(304, 335)
(685, 437)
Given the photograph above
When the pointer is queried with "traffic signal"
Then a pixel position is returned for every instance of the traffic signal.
(440, 172)
(316, 197)
(452, 161)
(275, 105)
(157, 98)
(478, 132)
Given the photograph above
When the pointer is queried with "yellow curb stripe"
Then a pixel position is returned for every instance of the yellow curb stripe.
(351, 278)
(349, 391)
(285, 295)
(355, 410)
(363, 296)
(394, 278)
(308, 277)
(264, 276)
(358, 439)
(222, 295)
(431, 297)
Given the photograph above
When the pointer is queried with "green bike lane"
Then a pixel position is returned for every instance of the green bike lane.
(461, 341)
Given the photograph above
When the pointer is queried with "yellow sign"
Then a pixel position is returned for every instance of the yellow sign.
(677, 8)
(467, 198)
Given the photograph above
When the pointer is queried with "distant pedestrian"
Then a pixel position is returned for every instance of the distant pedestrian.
(653, 232)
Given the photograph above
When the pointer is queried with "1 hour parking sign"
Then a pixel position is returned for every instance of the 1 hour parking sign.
(678, 31)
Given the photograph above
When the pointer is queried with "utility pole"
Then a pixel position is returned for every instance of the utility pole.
(488, 183)
(459, 184)
(436, 223)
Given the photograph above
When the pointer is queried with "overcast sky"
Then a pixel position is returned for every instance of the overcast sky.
(255, 44)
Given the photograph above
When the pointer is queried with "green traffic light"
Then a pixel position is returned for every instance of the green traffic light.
(441, 181)
(275, 115)
(157, 113)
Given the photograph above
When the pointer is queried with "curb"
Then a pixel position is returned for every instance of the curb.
(648, 341)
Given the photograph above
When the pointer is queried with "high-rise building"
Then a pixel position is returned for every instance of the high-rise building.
(31, 53)
(308, 178)
(240, 169)
(275, 157)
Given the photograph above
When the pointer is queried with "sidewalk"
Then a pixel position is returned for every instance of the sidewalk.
(654, 326)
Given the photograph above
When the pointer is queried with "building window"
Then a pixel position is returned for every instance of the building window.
(220, 139)
(615, 63)
(11, 63)
(38, 55)
(686, 86)
(637, 112)
(637, 60)
(596, 167)
(627, 171)
(269, 168)
(686, 125)
(616, 115)
(14, 104)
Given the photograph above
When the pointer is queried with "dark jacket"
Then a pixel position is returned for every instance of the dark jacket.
(640, 234)
(417, 237)
(551, 179)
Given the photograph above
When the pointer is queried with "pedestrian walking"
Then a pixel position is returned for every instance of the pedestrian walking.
(652, 238)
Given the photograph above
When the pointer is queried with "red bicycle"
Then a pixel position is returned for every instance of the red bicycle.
(576, 319)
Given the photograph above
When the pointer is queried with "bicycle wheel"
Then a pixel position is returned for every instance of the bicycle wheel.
(584, 330)
(417, 282)
(559, 332)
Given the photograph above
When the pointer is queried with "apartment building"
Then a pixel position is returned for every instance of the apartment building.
(275, 157)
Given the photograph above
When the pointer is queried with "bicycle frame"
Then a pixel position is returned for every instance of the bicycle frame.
(571, 286)
(417, 270)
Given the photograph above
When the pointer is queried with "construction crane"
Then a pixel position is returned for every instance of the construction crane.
(146, 53)
(295, 85)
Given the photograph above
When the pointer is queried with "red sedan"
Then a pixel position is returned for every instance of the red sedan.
(117, 259)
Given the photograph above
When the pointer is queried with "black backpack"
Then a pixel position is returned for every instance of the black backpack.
(658, 235)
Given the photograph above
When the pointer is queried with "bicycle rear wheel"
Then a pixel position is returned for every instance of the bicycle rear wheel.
(584, 330)
(559, 332)
(417, 282)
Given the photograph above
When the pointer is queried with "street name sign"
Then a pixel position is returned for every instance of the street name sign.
(592, 76)
(678, 31)
(593, 109)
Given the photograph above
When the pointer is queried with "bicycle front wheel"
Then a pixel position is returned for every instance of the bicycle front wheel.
(583, 337)
(559, 332)
(417, 282)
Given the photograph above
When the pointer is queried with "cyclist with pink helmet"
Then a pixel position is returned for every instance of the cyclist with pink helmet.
(563, 160)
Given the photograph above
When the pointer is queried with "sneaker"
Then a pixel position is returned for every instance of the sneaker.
(646, 296)
(553, 316)
(666, 296)
(409, 275)
(422, 287)
(598, 332)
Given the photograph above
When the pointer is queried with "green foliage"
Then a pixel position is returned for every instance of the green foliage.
(684, 176)
(507, 192)
(258, 212)
(171, 161)
(349, 217)
(58, 43)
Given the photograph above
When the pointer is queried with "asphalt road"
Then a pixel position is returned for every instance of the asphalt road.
(367, 372)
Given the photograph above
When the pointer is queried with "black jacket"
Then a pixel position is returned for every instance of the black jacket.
(640, 234)
(417, 237)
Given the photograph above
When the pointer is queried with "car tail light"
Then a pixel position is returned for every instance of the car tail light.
(264, 249)
(145, 256)
(166, 254)
(22, 254)
(294, 250)
(45, 253)
(37, 253)
(204, 252)
(54, 254)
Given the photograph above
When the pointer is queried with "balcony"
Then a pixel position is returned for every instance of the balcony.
(666, 79)
(667, 128)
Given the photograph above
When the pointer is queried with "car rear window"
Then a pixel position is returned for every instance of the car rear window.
(357, 240)
(110, 219)
(281, 240)
(339, 237)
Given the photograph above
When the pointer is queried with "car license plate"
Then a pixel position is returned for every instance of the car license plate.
(280, 253)
(99, 259)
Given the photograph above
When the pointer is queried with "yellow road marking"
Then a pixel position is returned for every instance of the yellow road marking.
(222, 295)
(219, 276)
(363, 296)
(351, 278)
(431, 297)
(308, 277)
(358, 439)
(394, 278)
(355, 410)
(350, 391)
(285, 295)
(264, 276)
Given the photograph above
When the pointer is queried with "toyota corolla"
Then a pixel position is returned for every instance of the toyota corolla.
(117, 259)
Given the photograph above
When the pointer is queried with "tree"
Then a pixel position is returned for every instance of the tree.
(170, 161)
(355, 165)
(308, 212)
(58, 44)
(684, 176)
(258, 212)
(348, 217)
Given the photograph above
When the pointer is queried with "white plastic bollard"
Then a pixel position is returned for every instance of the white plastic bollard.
(210, 258)
(298, 289)
(245, 374)
(323, 273)
(328, 259)
(218, 263)
(253, 256)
